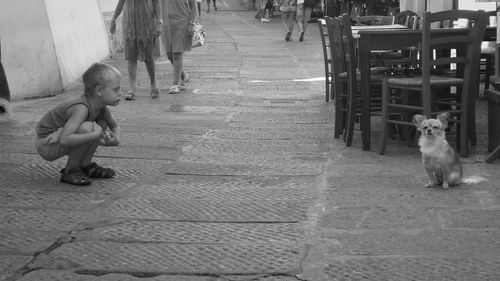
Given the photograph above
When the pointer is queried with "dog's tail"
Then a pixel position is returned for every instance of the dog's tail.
(473, 179)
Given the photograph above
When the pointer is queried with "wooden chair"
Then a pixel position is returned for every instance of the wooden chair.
(339, 74)
(374, 20)
(354, 78)
(467, 42)
(327, 60)
(488, 56)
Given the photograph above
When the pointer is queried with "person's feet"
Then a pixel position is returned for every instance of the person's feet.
(175, 89)
(288, 36)
(301, 38)
(155, 93)
(130, 96)
(264, 20)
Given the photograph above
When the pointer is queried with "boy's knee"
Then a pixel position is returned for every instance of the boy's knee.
(86, 127)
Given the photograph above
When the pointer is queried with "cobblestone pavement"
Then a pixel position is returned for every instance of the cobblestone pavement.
(240, 178)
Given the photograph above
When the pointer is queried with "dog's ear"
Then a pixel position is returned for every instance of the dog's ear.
(443, 118)
(418, 119)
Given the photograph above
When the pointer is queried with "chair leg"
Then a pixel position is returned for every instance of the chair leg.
(339, 112)
(351, 119)
(327, 87)
(384, 132)
(464, 135)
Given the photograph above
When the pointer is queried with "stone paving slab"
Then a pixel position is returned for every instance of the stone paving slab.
(292, 161)
(426, 268)
(9, 264)
(26, 242)
(185, 232)
(380, 217)
(52, 275)
(472, 218)
(40, 220)
(216, 169)
(209, 211)
(237, 193)
(180, 259)
(48, 199)
(252, 146)
(400, 194)
(416, 242)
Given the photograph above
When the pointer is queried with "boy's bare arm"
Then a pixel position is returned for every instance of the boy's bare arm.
(70, 136)
(112, 139)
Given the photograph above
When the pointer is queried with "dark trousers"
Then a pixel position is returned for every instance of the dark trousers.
(208, 4)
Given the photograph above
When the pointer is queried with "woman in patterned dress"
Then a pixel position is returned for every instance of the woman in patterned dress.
(141, 27)
(178, 21)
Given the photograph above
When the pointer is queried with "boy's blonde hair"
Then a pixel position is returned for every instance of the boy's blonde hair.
(98, 74)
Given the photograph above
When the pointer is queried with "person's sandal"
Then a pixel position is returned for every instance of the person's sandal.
(74, 177)
(155, 93)
(93, 170)
(130, 96)
(175, 89)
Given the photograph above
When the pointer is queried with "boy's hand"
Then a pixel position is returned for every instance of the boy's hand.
(108, 139)
(98, 130)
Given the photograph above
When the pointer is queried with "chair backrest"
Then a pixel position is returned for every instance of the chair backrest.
(349, 48)
(466, 42)
(337, 47)
(374, 20)
(325, 42)
(413, 22)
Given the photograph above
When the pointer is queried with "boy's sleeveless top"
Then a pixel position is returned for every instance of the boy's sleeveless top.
(58, 116)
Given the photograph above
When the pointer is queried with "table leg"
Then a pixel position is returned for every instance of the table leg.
(364, 67)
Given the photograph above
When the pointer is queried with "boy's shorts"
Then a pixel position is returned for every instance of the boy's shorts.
(51, 151)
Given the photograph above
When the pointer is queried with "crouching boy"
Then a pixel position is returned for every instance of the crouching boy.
(77, 126)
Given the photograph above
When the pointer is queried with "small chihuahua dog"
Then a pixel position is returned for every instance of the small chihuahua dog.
(440, 160)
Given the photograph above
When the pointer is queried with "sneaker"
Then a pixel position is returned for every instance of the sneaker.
(264, 20)
(288, 36)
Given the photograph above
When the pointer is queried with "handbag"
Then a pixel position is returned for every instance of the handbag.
(198, 35)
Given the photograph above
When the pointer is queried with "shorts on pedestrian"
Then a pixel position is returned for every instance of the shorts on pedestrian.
(50, 151)
(300, 11)
(288, 9)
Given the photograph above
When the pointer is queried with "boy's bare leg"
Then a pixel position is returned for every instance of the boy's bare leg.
(81, 155)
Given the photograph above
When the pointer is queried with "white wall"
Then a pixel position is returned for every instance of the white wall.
(28, 53)
(107, 5)
(79, 36)
(48, 44)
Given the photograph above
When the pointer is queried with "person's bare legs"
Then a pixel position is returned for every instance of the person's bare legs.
(151, 68)
(178, 62)
(288, 19)
(132, 75)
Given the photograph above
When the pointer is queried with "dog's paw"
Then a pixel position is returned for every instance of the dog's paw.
(429, 184)
(445, 185)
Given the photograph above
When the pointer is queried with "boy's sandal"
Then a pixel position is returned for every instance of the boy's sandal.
(95, 171)
(130, 96)
(74, 177)
(155, 93)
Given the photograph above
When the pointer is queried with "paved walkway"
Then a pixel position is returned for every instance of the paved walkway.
(240, 178)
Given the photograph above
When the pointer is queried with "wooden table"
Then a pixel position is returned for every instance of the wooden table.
(388, 39)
